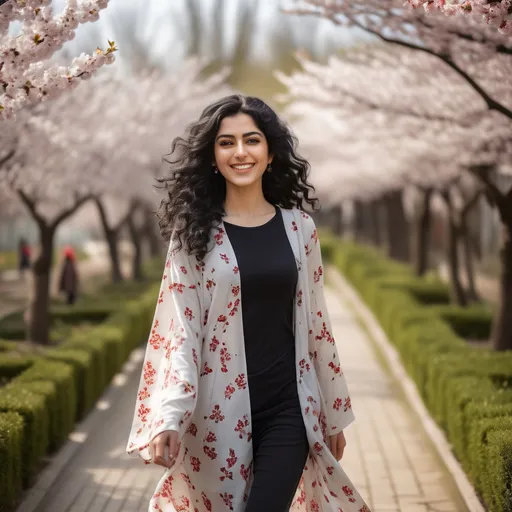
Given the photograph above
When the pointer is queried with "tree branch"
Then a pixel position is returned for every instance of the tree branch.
(470, 202)
(124, 219)
(491, 103)
(32, 208)
(372, 105)
(79, 201)
(491, 190)
(500, 48)
(6, 158)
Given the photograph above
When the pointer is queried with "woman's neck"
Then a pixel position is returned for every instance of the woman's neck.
(242, 202)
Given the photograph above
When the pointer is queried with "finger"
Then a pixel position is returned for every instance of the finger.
(173, 445)
(334, 445)
(160, 455)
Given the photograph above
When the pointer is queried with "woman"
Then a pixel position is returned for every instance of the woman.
(242, 398)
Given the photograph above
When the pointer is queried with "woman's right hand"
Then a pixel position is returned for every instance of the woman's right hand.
(165, 448)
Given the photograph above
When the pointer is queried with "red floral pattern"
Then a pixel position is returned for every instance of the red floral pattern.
(194, 380)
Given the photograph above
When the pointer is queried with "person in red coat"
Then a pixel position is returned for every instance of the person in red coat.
(68, 283)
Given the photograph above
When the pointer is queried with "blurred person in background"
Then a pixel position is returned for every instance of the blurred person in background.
(23, 257)
(242, 398)
(68, 282)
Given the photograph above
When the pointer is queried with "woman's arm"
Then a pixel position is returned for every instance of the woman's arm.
(167, 393)
(322, 345)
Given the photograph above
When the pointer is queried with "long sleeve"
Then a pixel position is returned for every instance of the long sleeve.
(167, 393)
(322, 345)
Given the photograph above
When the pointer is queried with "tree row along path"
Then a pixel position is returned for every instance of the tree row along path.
(15, 292)
(388, 457)
(488, 287)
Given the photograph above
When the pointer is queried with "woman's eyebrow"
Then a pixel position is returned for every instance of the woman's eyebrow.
(232, 136)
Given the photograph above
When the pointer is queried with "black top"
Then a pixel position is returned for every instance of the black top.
(268, 274)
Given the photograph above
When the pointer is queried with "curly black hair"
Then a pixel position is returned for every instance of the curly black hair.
(194, 203)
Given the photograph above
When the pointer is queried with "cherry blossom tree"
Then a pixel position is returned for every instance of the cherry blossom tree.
(139, 118)
(159, 107)
(52, 185)
(461, 44)
(26, 74)
(429, 137)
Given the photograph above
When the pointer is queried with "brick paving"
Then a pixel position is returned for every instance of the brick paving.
(388, 457)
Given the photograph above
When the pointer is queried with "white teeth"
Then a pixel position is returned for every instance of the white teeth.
(242, 167)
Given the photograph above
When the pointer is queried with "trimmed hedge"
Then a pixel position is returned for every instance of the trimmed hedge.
(33, 408)
(467, 390)
(6, 346)
(422, 290)
(498, 453)
(85, 379)
(61, 399)
(12, 364)
(12, 326)
(11, 434)
(93, 313)
(472, 323)
(60, 386)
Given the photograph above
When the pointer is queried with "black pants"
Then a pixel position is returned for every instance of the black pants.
(280, 450)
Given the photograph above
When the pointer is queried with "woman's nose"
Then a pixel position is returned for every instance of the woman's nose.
(241, 150)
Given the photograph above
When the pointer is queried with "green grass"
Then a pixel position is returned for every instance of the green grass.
(9, 259)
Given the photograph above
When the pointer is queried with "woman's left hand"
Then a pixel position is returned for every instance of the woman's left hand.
(337, 444)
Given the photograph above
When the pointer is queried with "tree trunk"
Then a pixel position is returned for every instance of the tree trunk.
(398, 227)
(502, 328)
(358, 221)
(135, 235)
(337, 219)
(39, 320)
(422, 235)
(457, 292)
(468, 262)
(375, 225)
(155, 246)
(112, 238)
(39, 323)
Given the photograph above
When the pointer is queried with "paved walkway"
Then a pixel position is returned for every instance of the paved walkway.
(388, 457)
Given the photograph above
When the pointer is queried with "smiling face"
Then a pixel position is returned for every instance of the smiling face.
(241, 151)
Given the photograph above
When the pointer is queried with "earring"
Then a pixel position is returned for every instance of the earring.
(215, 169)
(269, 168)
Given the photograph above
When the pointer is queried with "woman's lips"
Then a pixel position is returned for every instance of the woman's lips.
(242, 167)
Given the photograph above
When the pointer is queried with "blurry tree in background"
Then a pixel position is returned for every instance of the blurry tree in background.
(438, 137)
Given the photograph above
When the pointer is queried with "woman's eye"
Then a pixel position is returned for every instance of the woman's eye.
(224, 143)
(253, 141)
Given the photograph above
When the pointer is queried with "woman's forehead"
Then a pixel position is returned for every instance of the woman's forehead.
(237, 124)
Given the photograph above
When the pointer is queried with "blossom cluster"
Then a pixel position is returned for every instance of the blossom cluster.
(27, 75)
(494, 12)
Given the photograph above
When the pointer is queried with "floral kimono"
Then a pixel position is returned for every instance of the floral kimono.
(194, 381)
